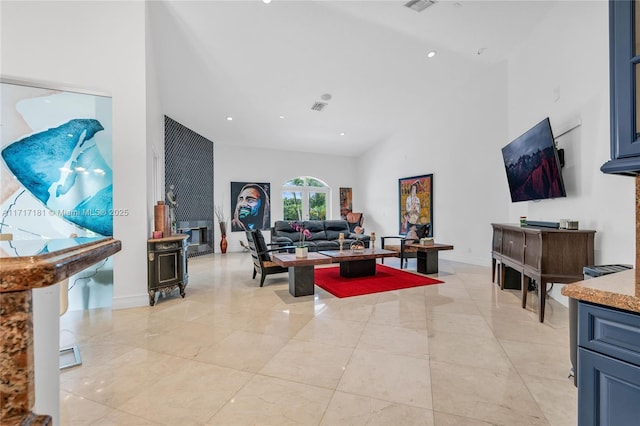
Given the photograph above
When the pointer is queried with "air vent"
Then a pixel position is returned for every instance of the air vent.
(318, 106)
(419, 5)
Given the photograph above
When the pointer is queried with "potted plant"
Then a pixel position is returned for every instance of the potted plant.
(301, 249)
(223, 228)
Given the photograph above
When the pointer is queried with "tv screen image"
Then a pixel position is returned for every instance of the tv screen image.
(532, 165)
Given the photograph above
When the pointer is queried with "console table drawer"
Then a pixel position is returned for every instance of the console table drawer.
(611, 332)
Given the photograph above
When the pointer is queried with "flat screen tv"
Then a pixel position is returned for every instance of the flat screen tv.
(533, 166)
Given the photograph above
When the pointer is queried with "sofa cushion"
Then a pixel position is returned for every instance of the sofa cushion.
(327, 245)
(316, 228)
(283, 228)
(333, 228)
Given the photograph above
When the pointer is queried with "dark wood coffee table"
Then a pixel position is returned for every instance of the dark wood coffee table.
(356, 263)
(301, 271)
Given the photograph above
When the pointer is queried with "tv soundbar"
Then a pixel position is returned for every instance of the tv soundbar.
(542, 224)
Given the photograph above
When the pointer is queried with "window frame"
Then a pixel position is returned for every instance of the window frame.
(305, 191)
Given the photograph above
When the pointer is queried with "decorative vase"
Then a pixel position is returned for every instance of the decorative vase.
(223, 244)
(302, 252)
(161, 219)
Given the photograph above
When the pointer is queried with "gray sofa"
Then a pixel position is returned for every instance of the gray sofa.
(324, 234)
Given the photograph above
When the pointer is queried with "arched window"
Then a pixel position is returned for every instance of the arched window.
(305, 198)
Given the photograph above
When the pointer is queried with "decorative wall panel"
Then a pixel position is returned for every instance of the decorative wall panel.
(189, 168)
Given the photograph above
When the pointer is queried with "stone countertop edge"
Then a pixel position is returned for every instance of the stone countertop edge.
(619, 290)
(23, 273)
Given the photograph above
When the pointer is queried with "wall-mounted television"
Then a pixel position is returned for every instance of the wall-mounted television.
(533, 166)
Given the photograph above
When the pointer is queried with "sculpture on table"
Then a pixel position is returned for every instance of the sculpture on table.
(172, 202)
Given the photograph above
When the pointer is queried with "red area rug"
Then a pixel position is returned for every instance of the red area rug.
(386, 279)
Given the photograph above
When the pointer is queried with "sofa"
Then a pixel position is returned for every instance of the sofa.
(325, 234)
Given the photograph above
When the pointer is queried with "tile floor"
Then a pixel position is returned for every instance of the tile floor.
(232, 353)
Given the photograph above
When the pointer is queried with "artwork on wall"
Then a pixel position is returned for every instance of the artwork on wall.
(415, 202)
(346, 205)
(250, 206)
(56, 169)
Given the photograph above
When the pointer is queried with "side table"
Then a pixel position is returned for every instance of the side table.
(301, 271)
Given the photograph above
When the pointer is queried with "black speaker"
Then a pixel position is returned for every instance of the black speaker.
(511, 279)
(561, 156)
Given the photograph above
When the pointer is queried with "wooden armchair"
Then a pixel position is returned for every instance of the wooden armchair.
(405, 253)
(261, 255)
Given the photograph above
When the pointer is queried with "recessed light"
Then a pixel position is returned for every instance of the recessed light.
(282, 116)
(266, 1)
(431, 53)
(229, 118)
(342, 133)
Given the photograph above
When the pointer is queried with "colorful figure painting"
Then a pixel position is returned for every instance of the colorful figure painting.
(251, 206)
(416, 202)
(56, 169)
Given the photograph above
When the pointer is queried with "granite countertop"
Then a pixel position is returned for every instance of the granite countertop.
(26, 264)
(620, 290)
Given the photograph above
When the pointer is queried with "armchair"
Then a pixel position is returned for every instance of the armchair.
(261, 256)
(413, 235)
(355, 221)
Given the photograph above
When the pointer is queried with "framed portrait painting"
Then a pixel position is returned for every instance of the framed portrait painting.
(345, 202)
(250, 206)
(415, 202)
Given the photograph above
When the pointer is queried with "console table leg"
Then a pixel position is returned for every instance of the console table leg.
(542, 298)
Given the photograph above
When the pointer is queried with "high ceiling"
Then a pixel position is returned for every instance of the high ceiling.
(259, 62)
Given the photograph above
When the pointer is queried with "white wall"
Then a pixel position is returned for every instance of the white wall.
(96, 46)
(239, 164)
(155, 128)
(562, 71)
(458, 139)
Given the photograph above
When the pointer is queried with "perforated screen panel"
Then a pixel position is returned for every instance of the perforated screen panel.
(189, 168)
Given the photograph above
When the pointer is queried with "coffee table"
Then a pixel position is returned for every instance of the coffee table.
(357, 263)
(301, 271)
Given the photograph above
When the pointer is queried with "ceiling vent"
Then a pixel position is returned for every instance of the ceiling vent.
(420, 5)
(318, 106)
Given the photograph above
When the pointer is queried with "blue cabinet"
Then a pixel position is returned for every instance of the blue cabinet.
(608, 366)
(624, 78)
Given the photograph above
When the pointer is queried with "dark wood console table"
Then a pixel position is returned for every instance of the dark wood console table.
(546, 255)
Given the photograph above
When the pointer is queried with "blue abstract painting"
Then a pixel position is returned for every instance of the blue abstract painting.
(63, 169)
(57, 149)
